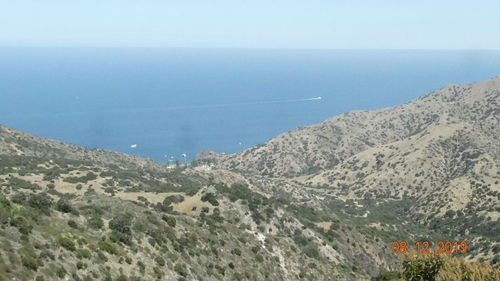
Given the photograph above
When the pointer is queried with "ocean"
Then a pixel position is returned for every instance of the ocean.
(168, 104)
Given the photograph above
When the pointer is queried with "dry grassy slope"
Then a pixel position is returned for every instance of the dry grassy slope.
(452, 164)
(13, 142)
(310, 149)
(30, 165)
(275, 238)
(440, 167)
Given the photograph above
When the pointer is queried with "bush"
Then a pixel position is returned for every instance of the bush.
(386, 276)
(169, 220)
(30, 262)
(116, 237)
(83, 253)
(72, 224)
(61, 272)
(236, 251)
(107, 247)
(210, 197)
(121, 278)
(95, 222)
(181, 269)
(64, 206)
(67, 243)
(22, 225)
(41, 202)
(423, 268)
(128, 260)
(160, 261)
(19, 198)
(121, 223)
(311, 250)
(173, 199)
(142, 267)
(80, 265)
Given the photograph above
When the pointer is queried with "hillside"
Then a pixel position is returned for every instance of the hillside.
(310, 149)
(106, 217)
(323, 202)
(13, 142)
(439, 153)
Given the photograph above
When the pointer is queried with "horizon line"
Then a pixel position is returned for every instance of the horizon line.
(246, 48)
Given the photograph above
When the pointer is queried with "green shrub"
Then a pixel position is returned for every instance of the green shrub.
(117, 237)
(84, 179)
(387, 276)
(40, 201)
(169, 220)
(121, 278)
(30, 262)
(210, 197)
(160, 261)
(83, 254)
(19, 198)
(255, 249)
(46, 254)
(80, 265)
(61, 272)
(72, 224)
(95, 222)
(236, 251)
(142, 267)
(422, 268)
(128, 260)
(22, 224)
(121, 223)
(107, 247)
(173, 199)
(259, 258)
(67, 243)
(311, 250)
(64, 206)
(16, 183)
(181, 269)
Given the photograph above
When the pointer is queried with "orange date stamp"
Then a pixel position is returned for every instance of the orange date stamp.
(425, 247)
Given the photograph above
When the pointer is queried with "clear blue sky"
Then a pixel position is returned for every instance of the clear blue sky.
(337, 24)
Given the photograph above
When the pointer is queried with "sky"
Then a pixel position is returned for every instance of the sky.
(311, 24)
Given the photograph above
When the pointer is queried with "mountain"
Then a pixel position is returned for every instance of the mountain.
(71, 213)
(324, 202)
(310, 149)
(440, 153)
(13, 142)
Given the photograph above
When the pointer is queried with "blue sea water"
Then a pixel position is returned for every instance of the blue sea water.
(175, 101)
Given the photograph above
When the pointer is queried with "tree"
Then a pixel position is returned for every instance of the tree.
(121, 228)
(64, 206)
(121, 223)
(210, 197)
(41, 201)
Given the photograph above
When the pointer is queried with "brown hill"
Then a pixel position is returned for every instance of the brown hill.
(310, 149)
